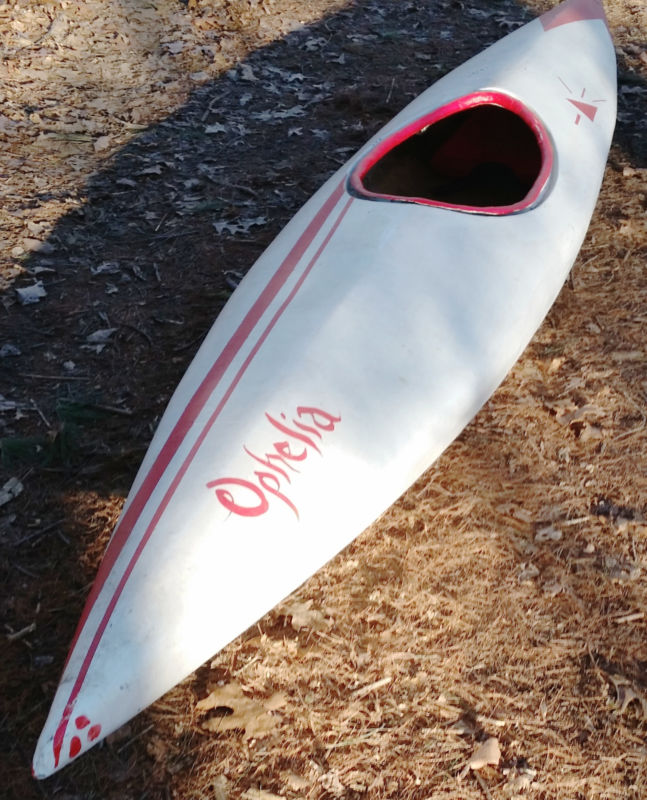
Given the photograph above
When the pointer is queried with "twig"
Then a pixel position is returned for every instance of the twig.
(388, 97)
(482, 784)
(229, 185)
(188, 345)
(39, 533)
(40, 377)
(40, 413)
(211, 106)
(364, 690)
(174, 234)
(629, 617)
(139, 331)
(366, 737)
(134, 738)
(14, 636)
(124, 412)
(160, 223)
(26, 571)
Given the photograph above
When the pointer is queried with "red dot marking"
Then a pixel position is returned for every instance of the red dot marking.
(75, 747)
(94, 732)
(81, 722)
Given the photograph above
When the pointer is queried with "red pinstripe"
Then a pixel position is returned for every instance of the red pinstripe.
(181, 428)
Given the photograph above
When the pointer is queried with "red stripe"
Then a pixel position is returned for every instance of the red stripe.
(184, 423)
(197, 402)
(573, 11)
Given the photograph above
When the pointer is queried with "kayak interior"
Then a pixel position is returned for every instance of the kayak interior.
(484, 153)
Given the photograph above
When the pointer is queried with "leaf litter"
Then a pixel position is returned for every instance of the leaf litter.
(253, 717)
(501, 598)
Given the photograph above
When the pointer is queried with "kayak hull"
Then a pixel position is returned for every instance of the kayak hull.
(359, 345)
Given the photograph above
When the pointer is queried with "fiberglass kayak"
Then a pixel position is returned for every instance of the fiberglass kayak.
(358, 346)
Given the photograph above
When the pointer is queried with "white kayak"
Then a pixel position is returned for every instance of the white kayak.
(359, 345)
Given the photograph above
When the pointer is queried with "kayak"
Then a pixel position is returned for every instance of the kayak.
(355, 350)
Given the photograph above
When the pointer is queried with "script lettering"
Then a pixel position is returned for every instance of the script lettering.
(227, 500)
(253, 496)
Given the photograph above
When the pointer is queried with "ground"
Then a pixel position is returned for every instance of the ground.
(150, 152)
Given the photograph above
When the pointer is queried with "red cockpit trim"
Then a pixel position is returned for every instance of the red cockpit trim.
(487, 97)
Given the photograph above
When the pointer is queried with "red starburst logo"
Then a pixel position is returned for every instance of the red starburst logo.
(588, 109)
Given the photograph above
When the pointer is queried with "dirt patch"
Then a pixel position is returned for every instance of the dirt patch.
(150, 152)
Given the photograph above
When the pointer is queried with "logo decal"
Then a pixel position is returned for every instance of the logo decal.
(588, 109)
(300, 436)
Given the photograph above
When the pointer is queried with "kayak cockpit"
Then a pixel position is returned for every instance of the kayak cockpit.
(484, 153)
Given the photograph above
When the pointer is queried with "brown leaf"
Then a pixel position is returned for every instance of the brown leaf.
(303, 616)
(249, 715)
(102, 143)
(626, 694)
(487, 753)
(158, 749)
(260, 794)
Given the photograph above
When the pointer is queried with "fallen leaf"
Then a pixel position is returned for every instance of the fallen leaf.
(32, 245)
(487, 753)
(106, 268)
(288, 113)
(220, 788)
(520, 779)
(548, 534)
(591, 432)
(8, 126)
(553, 588)
(314, 43)
(241, 226)
(626, 694)
(12, 488)
(102, 143)
(31, 294)
(35, 228)
(260, 794)
(247, 714)
(621, 570)
(332, 783)
(7, 405)
(174, 47)
(158, 749)
(527, 572)
(304, 616)
(101, 336)
(296, 782)
(246, 72)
